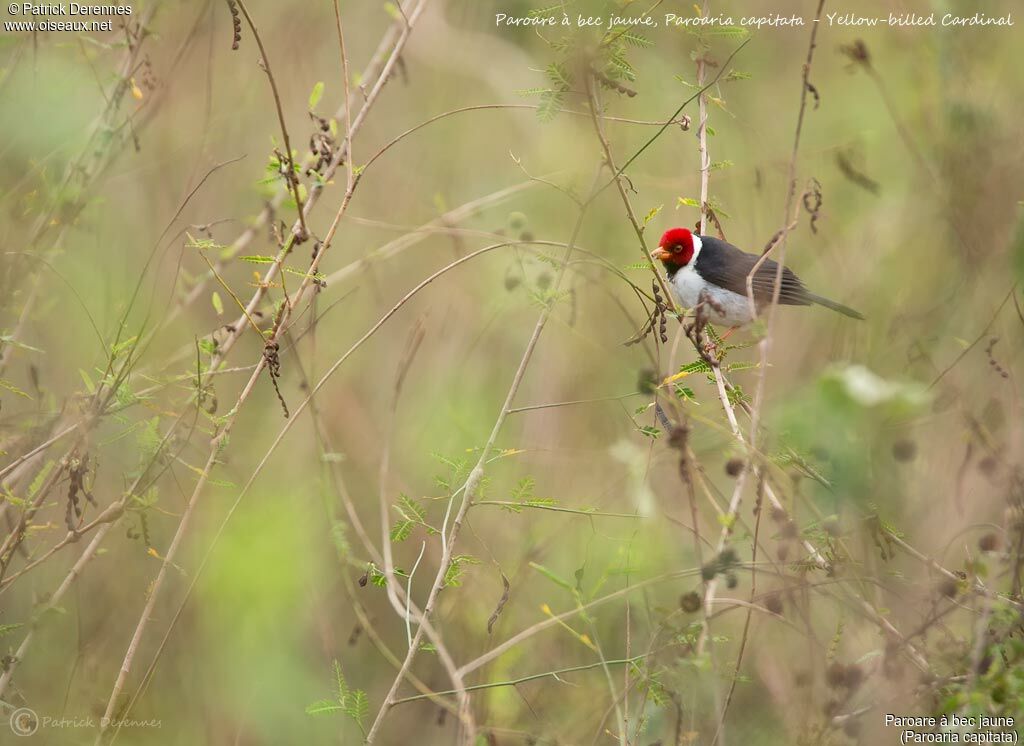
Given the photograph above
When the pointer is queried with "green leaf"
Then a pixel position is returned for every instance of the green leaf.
(737, 396)
(218, 304)
(340, 685)
(453, 576)
(8, 339)
(37, 483)
(541, 502)
(410, 509)
(558, 76)
(116, 350)
(525, 92)
(1017, 250)
(204, 243)
(524, 489)
(6, 629)
(149, 438)
(688, 202)
(619, 67)
(323, 707)
(4, 383)
(88, 381)
(652, 213)
(733, 367)
(550, 103)
(732, 32)
(631, 37)
(552, 576)
(697, 366)
(685, 392)
(314, 97)
(357, 706)
(401, 531)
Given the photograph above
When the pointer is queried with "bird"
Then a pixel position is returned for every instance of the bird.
(705, 268)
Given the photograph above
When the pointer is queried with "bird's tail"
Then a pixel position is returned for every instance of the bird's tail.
(839, 307)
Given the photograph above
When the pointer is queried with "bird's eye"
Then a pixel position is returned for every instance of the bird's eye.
(677, 248)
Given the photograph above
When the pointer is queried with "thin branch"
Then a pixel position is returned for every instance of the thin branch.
(533, 677)
(291, 178)
(472, 483)
(220, 438)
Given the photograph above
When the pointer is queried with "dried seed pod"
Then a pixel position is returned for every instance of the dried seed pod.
(677, 438)
(236, 22)
(835, 675)
(989, 542)
(988, 466)
(904, 450)
(690, 602)
(857, 52)
(948, 588)
(647, 381)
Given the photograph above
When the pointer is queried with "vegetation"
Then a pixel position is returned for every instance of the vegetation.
(341, 398)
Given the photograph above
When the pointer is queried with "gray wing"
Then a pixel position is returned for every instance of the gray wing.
(728, 267)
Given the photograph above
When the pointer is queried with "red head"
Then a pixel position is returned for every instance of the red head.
(677, 247)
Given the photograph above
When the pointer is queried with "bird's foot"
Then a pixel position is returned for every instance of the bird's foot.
(711, 344)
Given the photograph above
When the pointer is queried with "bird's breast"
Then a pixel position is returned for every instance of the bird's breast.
(726, 307)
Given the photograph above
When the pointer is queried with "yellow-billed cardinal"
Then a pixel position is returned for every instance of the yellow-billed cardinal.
(703, 264)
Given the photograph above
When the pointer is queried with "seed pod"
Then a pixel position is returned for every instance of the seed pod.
(989, 542)
(690, 602)
(948, 588)
(904, 450)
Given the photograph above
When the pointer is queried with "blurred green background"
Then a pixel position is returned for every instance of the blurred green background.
(918, 156)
